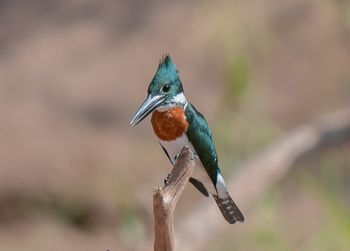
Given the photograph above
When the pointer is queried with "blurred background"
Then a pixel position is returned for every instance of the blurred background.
(75, 176)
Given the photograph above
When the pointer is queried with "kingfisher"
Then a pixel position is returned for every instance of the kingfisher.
(177, 124)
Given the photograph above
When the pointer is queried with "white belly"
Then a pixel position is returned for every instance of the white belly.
(174, 148)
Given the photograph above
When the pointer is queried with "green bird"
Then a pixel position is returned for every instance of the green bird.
(176, 124)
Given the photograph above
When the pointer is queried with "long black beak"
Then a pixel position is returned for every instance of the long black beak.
(148, 106)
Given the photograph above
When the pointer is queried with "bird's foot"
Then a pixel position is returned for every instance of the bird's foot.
(195, 155)
(177, 156)
(166, 180)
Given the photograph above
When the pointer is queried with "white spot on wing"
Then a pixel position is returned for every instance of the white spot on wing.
(221, 186)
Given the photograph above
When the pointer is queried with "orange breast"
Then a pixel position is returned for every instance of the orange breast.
(170, 124)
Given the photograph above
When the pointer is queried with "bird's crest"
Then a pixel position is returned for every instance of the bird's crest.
(165, 60)
(166, 74)
(166, 69)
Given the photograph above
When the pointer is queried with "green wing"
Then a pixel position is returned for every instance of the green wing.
(199, 135)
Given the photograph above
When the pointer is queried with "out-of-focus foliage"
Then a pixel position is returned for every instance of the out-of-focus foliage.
(237, 78)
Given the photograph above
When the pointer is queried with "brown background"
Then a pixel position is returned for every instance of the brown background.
(75, 176)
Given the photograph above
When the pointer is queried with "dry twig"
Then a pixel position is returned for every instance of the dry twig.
(165, 200)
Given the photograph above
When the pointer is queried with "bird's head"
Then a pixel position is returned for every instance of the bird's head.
(164, 91)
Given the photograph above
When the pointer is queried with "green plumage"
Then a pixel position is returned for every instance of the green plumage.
(199, 135)
(166, 75)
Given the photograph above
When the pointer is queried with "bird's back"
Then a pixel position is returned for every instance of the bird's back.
(199, 134)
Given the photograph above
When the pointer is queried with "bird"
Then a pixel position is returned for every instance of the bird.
(176, 123)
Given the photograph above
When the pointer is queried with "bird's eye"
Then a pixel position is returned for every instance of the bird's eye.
(166, 88)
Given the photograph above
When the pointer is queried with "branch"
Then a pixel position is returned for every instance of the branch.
(260, 173)
(165, 200)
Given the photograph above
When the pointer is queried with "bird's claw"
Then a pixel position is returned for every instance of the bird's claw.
(194, 156)
(166, 180)
(176, 156)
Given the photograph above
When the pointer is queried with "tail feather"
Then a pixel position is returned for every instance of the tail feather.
(229, 209)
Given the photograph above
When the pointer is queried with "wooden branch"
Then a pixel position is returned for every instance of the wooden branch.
(165, 200)
(259, 174)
